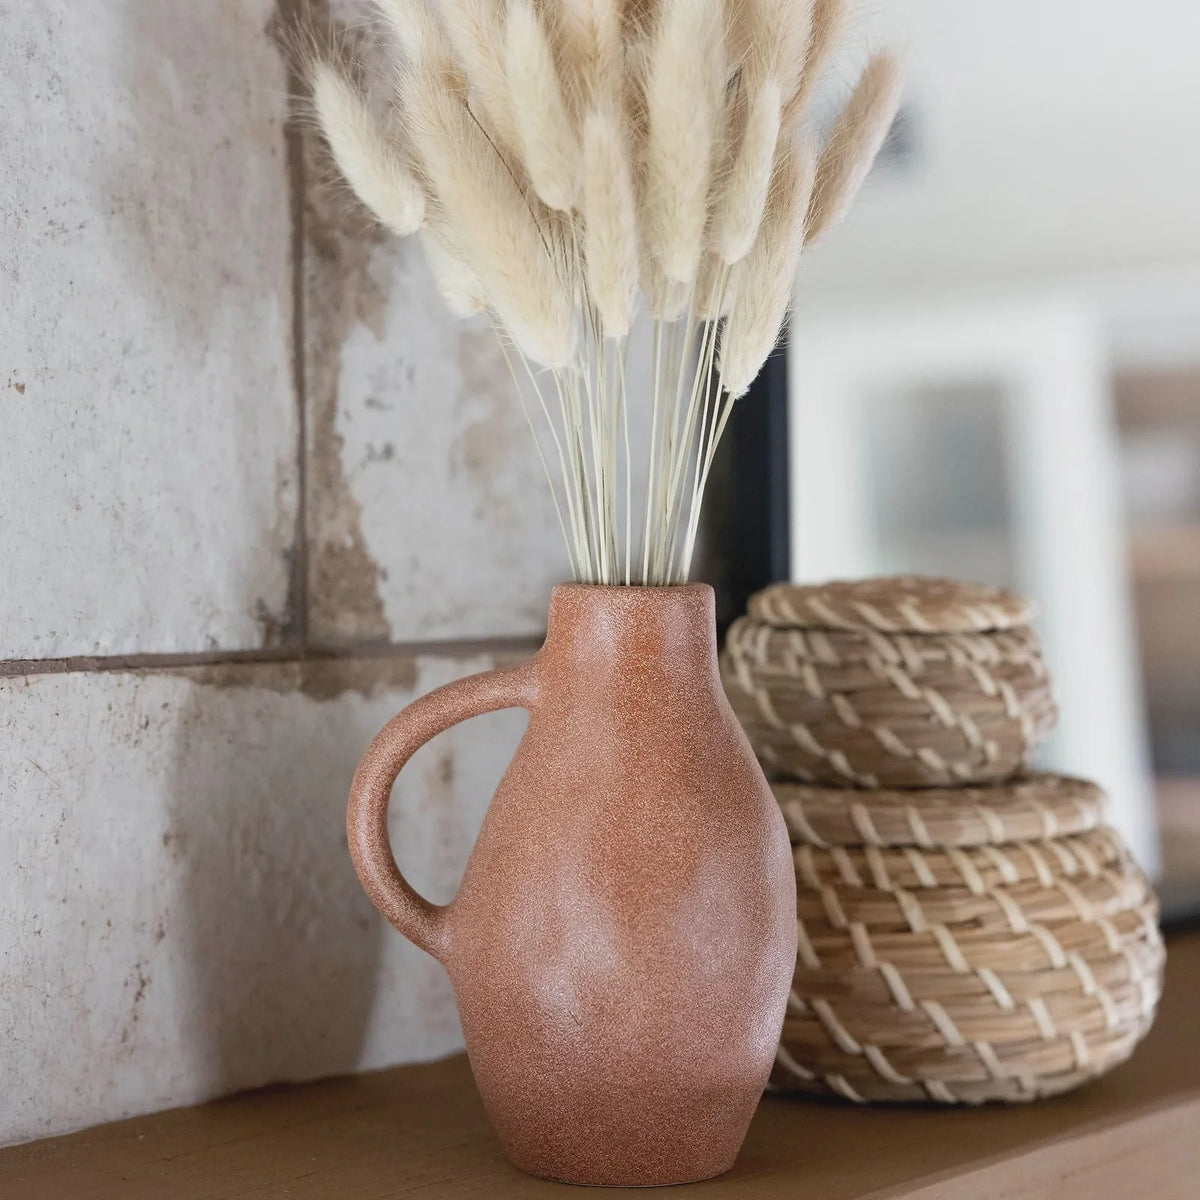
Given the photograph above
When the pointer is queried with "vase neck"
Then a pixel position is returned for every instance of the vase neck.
(634, 630)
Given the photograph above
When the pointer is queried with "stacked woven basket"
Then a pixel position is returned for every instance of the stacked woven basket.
(968, 931)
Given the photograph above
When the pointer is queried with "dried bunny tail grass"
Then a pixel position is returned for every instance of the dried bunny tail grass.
(770, 39)
(459, 286)
(589, 50)
(558, 153)
(569, 34)
(475, 29)
(793, 34)
(828, 18)
(666, 299)
(497, 228)
(766, 276)
(637, 15)
(610, 221)
(368, 158)
(712, 292)
(607, 78)
(548, 142)
(854, 142)
(743, 191)
(570, 23)
(684, 87)
(416, 28)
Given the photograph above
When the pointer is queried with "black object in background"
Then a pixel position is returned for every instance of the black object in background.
(746, 544)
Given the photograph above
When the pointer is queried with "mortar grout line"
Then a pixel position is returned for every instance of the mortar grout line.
(297, 182)
(362, 652)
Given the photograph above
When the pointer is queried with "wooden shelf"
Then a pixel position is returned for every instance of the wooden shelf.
(421, 1132)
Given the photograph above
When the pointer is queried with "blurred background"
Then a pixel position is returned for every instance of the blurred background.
(995, 368)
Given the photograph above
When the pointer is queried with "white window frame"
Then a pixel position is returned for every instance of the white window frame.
(1049, 357)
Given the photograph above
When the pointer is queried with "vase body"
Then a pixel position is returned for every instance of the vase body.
(623, 941)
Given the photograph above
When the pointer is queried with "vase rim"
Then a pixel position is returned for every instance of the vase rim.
(615, 588)
(596, 609)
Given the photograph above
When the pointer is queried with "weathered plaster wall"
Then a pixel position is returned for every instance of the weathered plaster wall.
(180, 915)
(147, 417)
(428, 513)
(256, 492)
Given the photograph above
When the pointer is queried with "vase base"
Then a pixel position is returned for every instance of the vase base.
(587, 1177)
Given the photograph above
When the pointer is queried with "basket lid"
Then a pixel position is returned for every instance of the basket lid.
(1033, 807)
(892, 604)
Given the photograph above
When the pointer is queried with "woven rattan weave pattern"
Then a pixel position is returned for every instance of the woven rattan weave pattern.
(969, 931)
(866, 708)
(976, 868)
(892, 604)
(964, 945)
(1030, 808)
(957, 1018)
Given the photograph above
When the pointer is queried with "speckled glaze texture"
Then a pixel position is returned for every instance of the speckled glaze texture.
(623, 941)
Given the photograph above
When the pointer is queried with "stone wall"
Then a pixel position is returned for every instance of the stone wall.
(257, 491)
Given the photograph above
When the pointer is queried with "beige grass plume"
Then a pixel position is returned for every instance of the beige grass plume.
(770, 40)
(685, 91)
(559, 156)
(828, 19)
(476, 30)
(765, 278)
(497, 226)
(363, 150)
(610, 221)
(548, 140)
(459, 286)
(744, 190)
(589, 50)
(854, 142)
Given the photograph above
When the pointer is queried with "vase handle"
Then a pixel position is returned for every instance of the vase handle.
(367, 813)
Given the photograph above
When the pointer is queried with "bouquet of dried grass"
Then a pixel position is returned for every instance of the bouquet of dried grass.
(559, 157)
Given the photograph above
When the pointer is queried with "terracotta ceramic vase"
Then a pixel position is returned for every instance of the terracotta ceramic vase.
(622, 943)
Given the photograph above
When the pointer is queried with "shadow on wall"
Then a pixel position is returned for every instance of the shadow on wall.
(191, 187)
(193, 170)
(280, 944)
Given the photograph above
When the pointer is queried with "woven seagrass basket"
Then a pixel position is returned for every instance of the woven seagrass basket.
(893, 682)
(964, 945)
